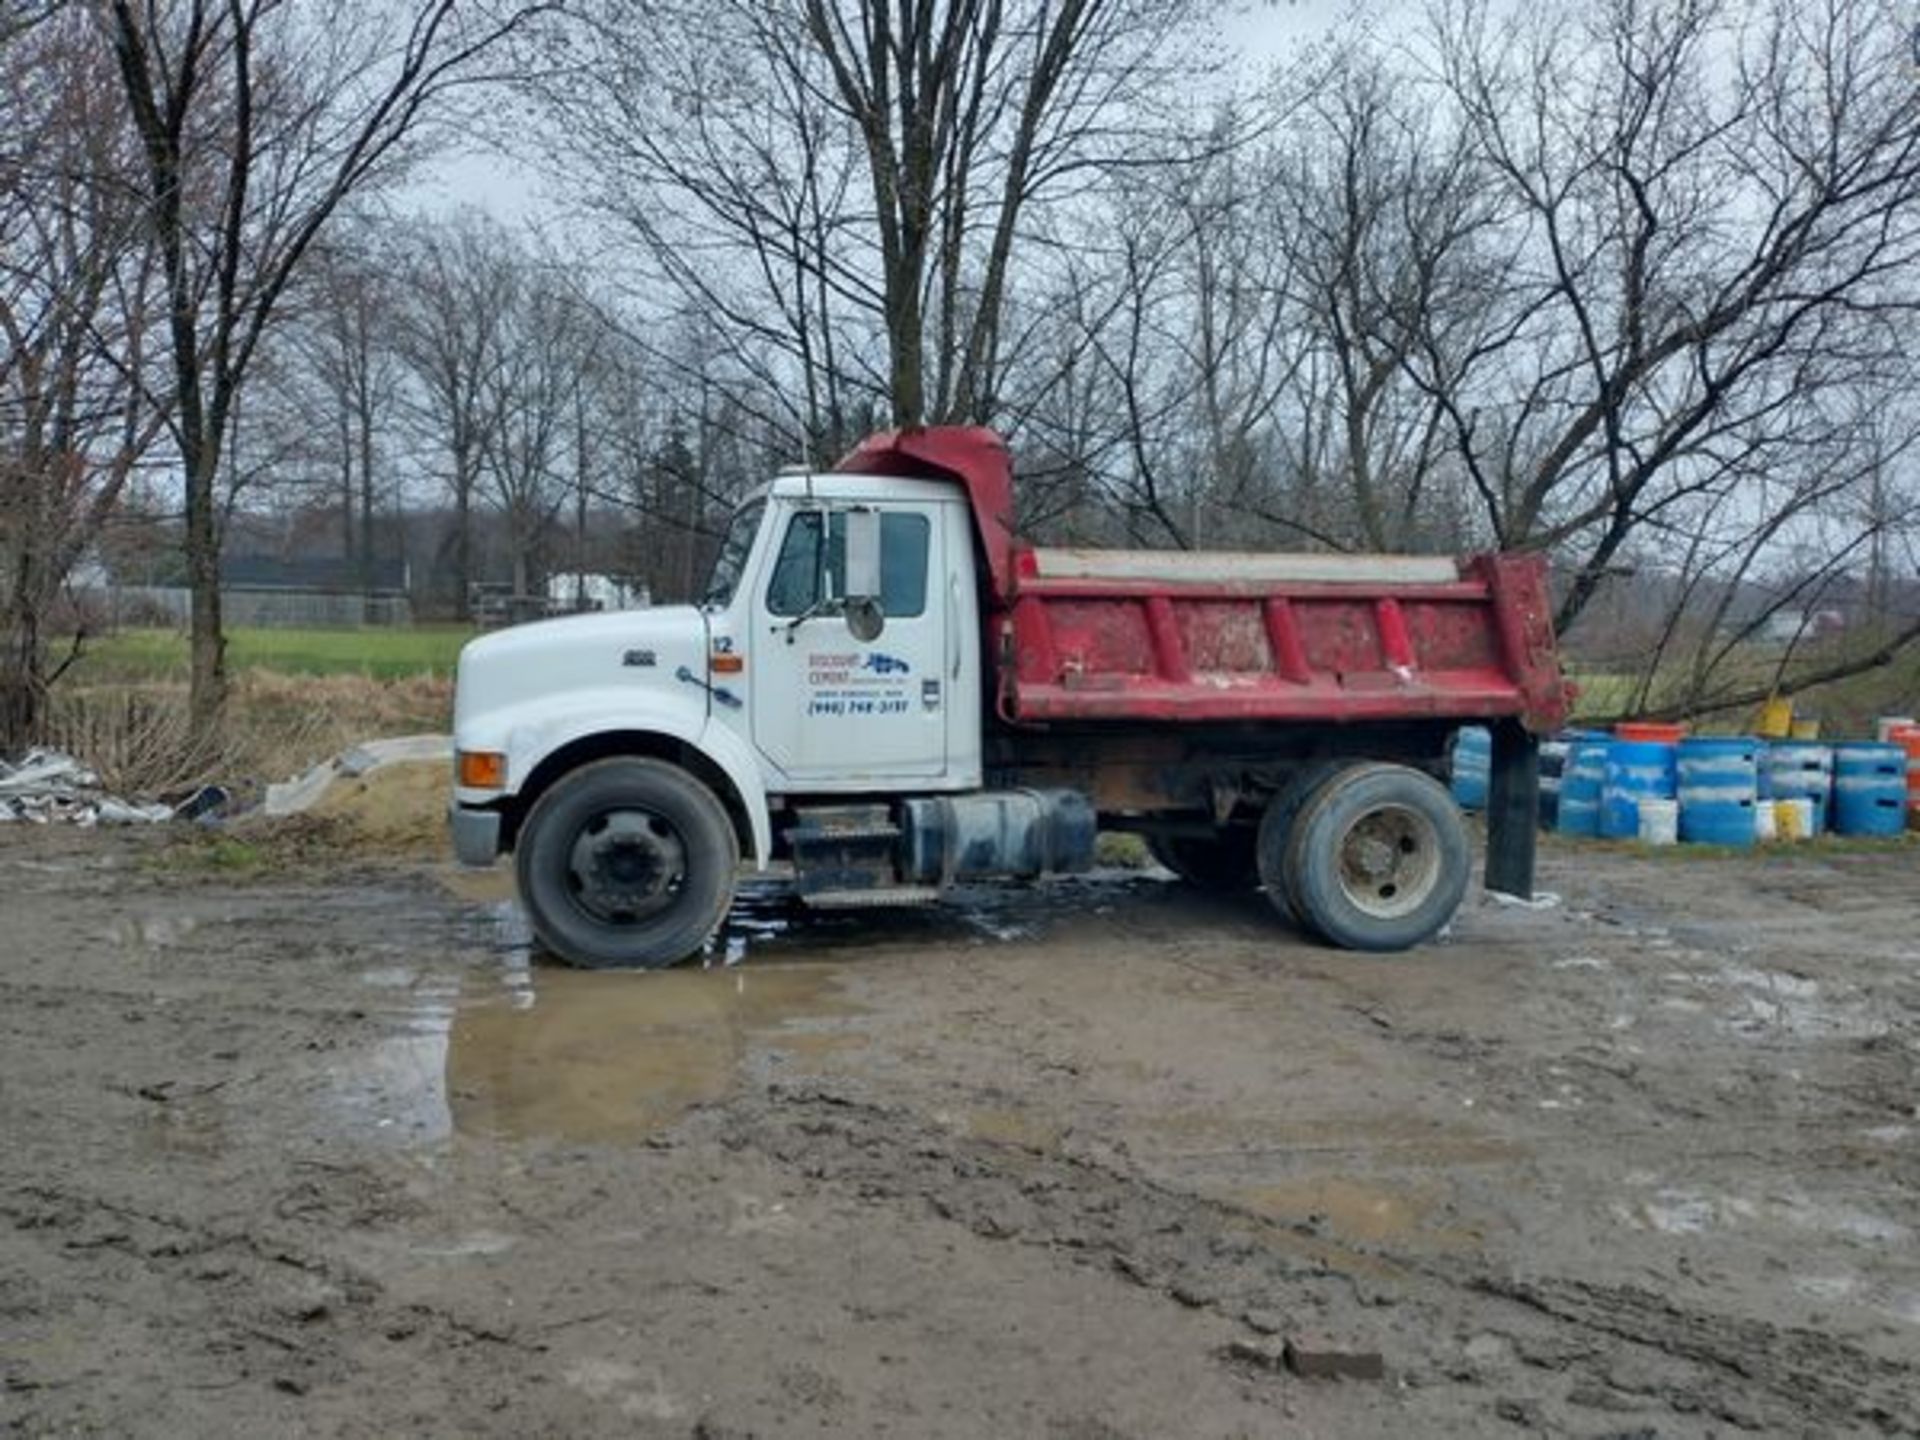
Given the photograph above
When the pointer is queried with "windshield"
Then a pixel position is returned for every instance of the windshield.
(732, 558)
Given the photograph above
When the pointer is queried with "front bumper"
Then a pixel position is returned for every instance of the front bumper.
(476, 834)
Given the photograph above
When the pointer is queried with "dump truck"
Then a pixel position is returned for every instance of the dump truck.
(884, 693)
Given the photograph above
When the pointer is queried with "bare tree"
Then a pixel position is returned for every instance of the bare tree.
(1255, 308)
(527, 437)
(1757, 557)
(21, 17)
(1716, 214)
(457, 280)
(696, 135)
(848, 184)
(1383, 212)
(258, 120)
(680, 440)
(78, 305)
(344, 342)
(969, 112)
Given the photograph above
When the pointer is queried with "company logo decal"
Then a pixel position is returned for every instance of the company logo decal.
(849, 683)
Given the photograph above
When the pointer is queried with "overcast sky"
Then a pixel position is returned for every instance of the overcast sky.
(1264, 31)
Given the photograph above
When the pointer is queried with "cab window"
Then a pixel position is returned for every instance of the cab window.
(807, 573)
(732, 558)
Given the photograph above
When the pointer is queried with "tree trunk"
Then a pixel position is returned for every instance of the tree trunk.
(366, 508)
(22, 666)
(522, 569)
(906, 338)
(579, 500)
(463, 544)
(23, 686)
(208, 669)
(346, 507)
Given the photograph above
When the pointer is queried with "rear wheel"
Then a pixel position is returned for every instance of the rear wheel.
(1223, 863)
(1376, 859)
(1277, 823)
(626, 863)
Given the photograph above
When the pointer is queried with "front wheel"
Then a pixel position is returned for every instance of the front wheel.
(1377, 858)
(626, 863)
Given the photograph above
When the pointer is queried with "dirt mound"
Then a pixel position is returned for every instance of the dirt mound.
(398, 809)
(396, 812)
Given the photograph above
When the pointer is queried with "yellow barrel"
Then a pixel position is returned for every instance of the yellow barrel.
(1793, 819)
(1806, 729)
(1776, 719)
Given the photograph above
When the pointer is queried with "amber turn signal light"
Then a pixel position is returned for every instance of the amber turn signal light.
(726, 664)
(482, 769)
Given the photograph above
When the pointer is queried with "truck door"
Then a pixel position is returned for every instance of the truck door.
(835, 712)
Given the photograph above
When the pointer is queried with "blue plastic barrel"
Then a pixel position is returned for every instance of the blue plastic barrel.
(1799, 771)
(1719, 785)
(1472, 766)
(1869, 789)
(1555, 760)
(1553, 764)
(1636, 770)
(1581, 783)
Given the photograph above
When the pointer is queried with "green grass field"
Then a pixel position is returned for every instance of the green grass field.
(382, 654)
(1846, 708)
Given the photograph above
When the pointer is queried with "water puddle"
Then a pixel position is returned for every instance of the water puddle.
(1349, 1142)
(766, 920)
(517, 1048)
(1764, 1004)
(151, 932)
(1350, 1209)
(1872, 1293)
(1829, 1288)
(195, 1127)
(614, 1056)
(1673, 1210)
(479, 887)
(520, 1049)
(1009, 1126)
(465, 1246)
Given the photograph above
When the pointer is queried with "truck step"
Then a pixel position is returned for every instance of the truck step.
(842, 824)
(805, 835)
(881, 897)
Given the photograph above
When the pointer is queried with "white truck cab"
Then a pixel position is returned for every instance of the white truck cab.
(785, 680)
(824, 710)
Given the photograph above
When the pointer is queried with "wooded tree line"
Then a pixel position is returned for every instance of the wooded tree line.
(1626, 280)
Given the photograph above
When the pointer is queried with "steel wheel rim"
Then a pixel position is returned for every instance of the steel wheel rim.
(626, 865)
(1389, 861)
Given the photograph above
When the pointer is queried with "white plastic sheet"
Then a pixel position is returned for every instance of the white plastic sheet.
(49, 787)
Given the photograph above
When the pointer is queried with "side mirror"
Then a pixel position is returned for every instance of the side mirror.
(865, 618)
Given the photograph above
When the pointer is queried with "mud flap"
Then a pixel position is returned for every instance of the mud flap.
(1513, 809)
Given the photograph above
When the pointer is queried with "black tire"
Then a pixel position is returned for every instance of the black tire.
(1377, 858)
(1276, 824)
(1223, 863)
(626, 863)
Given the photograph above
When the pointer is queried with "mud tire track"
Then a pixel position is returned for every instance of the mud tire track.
(1605, 1347)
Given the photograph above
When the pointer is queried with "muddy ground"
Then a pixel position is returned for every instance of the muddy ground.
(328, 1153)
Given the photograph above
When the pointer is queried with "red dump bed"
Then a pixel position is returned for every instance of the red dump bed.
(1209, 635)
